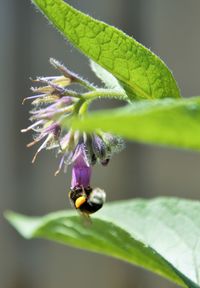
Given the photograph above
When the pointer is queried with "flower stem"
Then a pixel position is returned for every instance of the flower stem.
(105, 93)
(71, 93)
(85, 83)
(84, 107)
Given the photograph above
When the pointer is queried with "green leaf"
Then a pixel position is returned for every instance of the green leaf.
(142, 74)
(161, 235)
(169, 122)
(107, 78)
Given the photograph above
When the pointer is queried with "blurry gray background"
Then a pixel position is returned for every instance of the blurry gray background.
(171, 29)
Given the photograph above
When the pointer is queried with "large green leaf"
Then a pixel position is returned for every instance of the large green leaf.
(168, 121)
(161, 235)
(142, 73)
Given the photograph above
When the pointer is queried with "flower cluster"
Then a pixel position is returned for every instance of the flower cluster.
(52, 103)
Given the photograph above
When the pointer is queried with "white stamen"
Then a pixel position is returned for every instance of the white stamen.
(60, 165)
(41, 147)
(32, 126)
(33, 97)
(32, 143)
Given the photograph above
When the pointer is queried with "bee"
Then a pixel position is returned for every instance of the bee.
(87, 200)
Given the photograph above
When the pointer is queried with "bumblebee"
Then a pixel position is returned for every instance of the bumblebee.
(87, 200)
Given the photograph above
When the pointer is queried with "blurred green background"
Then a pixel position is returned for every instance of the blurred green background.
(170, 29)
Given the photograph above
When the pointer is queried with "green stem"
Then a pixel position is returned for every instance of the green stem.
(84, 108)
(81, 107)
(99, 93)
(105, 93)
(78, 106)
(72, 93)
(85, 83)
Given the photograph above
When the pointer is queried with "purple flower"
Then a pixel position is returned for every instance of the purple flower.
(51, 104)
(81, 171)
(50, 133)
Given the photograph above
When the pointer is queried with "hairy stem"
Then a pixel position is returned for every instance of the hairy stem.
(105, 93)
(85, 83)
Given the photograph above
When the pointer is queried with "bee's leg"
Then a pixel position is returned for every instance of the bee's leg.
(86, 219)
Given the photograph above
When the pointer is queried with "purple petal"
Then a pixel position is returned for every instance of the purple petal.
(81, 173)
(54, 128)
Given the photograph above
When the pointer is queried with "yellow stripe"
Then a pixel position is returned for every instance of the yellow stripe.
(79, 201)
